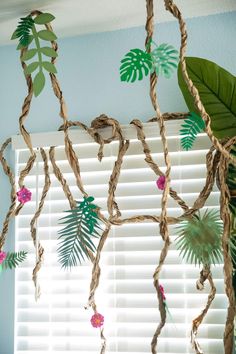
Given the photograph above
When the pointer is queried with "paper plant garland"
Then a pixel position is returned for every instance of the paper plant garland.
(81, 224)
(199, 239)
(11, 260)
(138, 63)
(192, 125)
(27, 33)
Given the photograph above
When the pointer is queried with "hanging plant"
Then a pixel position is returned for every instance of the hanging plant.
(11, 260)
(27, 33)
(81, 225)
(199, 239)
(138, 63)
(192, 125)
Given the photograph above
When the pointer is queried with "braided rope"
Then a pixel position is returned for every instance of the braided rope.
(205, 274)
(33, 229)
(7, 170)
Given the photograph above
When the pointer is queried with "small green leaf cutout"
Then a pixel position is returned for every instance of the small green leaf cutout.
(49, 67)
(38, 83)
(49, 52)
(29, 54)
(47, 35)
(44, 18)
(31, 68)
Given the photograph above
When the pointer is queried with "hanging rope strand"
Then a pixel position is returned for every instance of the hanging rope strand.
(163, 222)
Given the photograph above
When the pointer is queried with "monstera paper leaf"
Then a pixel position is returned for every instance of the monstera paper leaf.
(135, 65)
(165, 59)
(217, 89)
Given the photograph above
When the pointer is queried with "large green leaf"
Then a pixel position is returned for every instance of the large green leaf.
(217, 89)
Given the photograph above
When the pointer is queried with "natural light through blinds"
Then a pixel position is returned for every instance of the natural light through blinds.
(58, 322)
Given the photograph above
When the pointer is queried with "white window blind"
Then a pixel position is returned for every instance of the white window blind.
(58, 322)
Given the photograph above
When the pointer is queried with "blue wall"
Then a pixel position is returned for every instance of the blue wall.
(88, 69)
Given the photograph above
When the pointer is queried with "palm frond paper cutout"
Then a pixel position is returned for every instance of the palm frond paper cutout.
(192, 126)
(13, 259)
(81, 224)
(199, 238)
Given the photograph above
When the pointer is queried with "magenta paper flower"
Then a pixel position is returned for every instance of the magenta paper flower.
(97, 320)
(24, 195)
(161, 182)
(162, 292)
(3, 256)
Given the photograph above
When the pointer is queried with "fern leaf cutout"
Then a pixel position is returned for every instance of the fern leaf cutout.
(165, 59)
(81, 224)
(23, 31)
(135, 65)
(192, 125)
(13, 259)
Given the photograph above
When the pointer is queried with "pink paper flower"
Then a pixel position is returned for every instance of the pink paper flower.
(161, 182)
(3, 256)
(162, 292)
(97, 320)
(24, 195)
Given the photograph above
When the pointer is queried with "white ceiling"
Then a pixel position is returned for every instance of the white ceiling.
(76, 17)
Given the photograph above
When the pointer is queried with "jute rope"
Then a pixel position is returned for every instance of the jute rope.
(7, 170)
(33, 229)
(228, 267)
(163, 219)
(205, 274)
(141, 136)
(173, 9)
(212, 161)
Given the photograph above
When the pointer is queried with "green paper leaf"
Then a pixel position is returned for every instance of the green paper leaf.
(49, 67)
(38, 83)
(47, 35)
(135, 65)
(81, 224)
(13, 259)
(199, 238)
(192, 125)
(29, 54)
(14, 35)
(31, 68)
(23, 30)
(217, 91)
(20, 46)
(44, 18)
(165, 60)
(49, 52)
